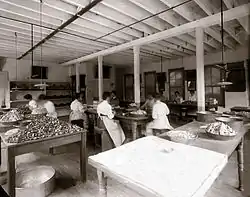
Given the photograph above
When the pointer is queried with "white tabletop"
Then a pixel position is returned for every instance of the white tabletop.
(159, 167)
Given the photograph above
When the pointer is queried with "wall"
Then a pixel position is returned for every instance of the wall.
(88, 68)
(232, 99)
(56, 73)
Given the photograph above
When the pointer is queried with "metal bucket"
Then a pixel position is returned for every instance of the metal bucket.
(38, 181)
(206, 116)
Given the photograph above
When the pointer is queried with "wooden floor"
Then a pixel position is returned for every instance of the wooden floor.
(68, 185)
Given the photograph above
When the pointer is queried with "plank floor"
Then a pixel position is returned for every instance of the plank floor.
(66, 164)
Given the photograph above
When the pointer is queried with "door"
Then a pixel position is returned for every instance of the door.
(129, 87)
(82, 85)
(176, 82)
(150, 83)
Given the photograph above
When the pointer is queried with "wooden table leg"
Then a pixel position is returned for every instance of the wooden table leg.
(83, 158)
(11, 173)
(134, 130)
(240, 158)
(102, 179)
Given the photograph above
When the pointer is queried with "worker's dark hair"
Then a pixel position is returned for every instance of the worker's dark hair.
(114, 92)
(177, 92)
(158, 96)
(41, 97)
(105, 95)
(78, 95)
(28, 96)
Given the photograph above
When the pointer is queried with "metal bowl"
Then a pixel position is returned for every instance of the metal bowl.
(38, 181)
(220, 137)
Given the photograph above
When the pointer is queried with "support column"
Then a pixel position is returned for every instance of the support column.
(247, 81)
(77, 78)
(137, 90)
(100, 77)
(200, 79)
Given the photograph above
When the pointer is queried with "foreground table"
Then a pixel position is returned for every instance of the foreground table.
(39, 145)
(224, 147)
(156, 167)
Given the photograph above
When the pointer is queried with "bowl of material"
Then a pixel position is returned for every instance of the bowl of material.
(37, 181)
(183, 137)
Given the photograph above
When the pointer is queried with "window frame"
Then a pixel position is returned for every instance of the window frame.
(183, 81)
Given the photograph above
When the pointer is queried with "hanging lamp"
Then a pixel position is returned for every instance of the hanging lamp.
(42, 84)
(223, 66)
(16, 87)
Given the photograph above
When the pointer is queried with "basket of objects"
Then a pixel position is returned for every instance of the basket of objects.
(138, 113)
(183, 137)
(220, 131)
(38, 181)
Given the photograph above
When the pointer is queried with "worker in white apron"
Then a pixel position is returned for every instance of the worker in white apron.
(48, 105)
(159, 115)
(104, 111)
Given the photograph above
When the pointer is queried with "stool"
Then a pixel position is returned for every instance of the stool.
(102, 139)
(158, 132)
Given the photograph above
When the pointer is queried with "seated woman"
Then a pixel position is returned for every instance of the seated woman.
(148, 105)
(77, 115)
(48, 105)
(159, 115)
(32, 103)
(178, 99)
(192, 97)
(104, 111)
(114, 100)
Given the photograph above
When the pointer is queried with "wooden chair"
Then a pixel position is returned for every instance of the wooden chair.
(102, 138)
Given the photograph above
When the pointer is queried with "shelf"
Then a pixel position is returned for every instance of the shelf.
(24, 90)
(58, 89)
(19, 101)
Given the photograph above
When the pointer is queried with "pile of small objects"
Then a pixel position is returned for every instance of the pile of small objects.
(41, 128)
(11, 116)
(23, 109)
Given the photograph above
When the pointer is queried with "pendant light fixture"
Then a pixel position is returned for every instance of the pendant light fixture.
(16, 88)
(42, 84)
(223, 66)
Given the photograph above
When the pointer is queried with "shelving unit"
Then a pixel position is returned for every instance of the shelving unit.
(58, 92)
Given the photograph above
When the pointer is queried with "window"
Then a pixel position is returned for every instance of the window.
(236, 75)
(176, 82)
(213, 75)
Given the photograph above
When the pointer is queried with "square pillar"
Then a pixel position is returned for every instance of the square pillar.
(200, 79)
(137, 96)
(77, 78)
(100, 77)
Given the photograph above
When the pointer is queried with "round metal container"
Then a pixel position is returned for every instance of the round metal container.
(206, 116)
(38, 181)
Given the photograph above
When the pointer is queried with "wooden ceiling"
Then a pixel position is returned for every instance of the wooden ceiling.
(96, 30)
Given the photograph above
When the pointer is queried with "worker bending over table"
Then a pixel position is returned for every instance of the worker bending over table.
(159, 115)
(105, 113)
(148, 105)
(48, 105)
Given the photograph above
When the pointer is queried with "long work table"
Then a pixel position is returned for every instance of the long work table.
(14, 150)
(153, 166)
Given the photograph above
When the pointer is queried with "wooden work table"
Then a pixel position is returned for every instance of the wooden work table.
(129, 163)
(39, 145)
(224, 147)
(135, 122)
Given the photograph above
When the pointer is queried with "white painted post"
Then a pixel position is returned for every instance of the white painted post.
(200, 79)
(77, 78)
(247, 81)
(100, 77)
(137, 96)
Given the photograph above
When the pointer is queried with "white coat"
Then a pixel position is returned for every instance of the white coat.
(77, 110)
(104, 111)
(160, 119)
(50, 108)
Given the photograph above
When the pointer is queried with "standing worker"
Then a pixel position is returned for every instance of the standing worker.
(104, 111)
(32, 103)
(159, 115)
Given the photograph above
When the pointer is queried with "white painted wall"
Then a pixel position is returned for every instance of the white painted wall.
(88, 68)
(56, 73)
(232, 99)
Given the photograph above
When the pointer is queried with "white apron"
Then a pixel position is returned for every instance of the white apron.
(114, 129)
(160, 123)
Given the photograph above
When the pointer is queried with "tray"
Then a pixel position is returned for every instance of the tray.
(220, 137)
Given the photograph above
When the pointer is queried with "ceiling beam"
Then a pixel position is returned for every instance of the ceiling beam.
(231, 14)
(210, 9)
(243, 21)
(65, 24)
